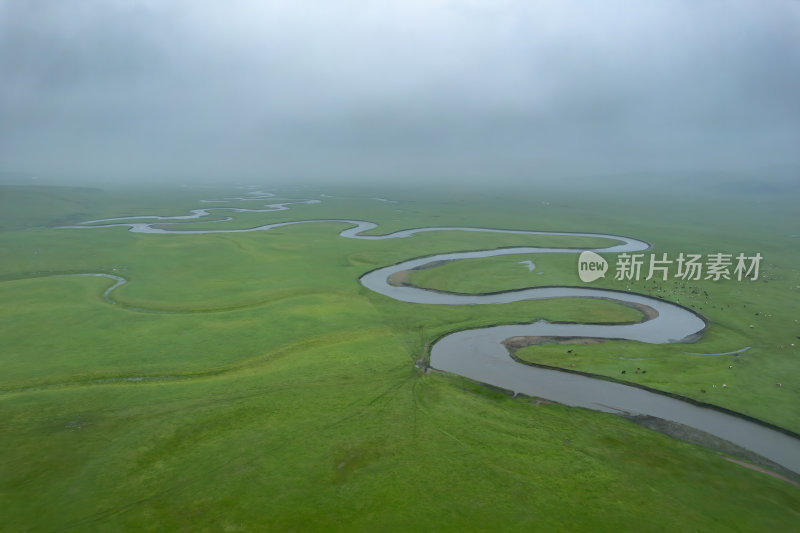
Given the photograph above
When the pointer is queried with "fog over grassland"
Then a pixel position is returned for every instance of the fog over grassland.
(381, 91)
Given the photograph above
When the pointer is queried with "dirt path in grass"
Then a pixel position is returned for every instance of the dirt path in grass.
(762, 470)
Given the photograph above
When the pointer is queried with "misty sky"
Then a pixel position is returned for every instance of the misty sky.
(386, 90)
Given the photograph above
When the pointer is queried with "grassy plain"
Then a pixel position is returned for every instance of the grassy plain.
(760, 315)
(247, 382)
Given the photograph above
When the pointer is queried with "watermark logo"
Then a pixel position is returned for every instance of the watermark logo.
(591, 266)
(686, 266)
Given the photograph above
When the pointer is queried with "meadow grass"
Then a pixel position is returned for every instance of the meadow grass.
(259, 386)
(760, 315)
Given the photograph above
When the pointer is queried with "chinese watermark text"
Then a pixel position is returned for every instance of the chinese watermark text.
(687, 266)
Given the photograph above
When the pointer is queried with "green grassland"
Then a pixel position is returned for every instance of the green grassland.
(760, 314)
(248, 382)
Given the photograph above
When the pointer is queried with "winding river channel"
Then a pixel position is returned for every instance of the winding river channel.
(480, 354)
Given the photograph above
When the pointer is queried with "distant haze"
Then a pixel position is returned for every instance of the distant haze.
(396, 90)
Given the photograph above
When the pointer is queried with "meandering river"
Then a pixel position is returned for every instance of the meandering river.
(480, 355)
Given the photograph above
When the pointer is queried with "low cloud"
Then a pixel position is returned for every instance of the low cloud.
(461, 90)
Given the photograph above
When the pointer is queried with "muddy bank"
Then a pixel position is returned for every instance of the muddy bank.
(707, 440)
(399, 279)
(648, 312)
(517, 343)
